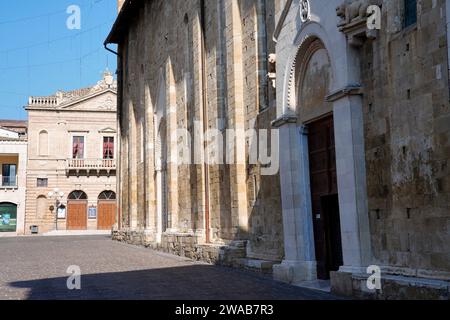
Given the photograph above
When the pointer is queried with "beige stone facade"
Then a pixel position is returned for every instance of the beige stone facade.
(374, 104)
(387, 92)
(67, 136)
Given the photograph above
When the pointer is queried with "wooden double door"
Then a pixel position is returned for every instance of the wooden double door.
(77, 215)
(106, 214)
(324, 194)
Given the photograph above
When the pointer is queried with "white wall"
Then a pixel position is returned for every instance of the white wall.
(8, 134)
(16, 196)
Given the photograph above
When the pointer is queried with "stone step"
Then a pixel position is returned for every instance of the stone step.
(318, 285)
(263, 266)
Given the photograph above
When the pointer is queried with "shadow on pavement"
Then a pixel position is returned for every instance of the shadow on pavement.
(198, 282)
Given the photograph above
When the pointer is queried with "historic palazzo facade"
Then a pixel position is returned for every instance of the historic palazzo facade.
(71, 172)
(362, 123)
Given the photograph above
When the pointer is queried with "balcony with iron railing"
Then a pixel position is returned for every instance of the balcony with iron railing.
(8, 182)
(87, 166)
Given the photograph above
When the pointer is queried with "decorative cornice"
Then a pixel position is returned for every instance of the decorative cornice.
(107, 130)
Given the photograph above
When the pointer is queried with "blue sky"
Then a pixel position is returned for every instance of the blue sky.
(40, 55)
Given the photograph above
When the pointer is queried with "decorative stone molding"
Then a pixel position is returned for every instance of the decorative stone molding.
(285, 119)
(304, 52)
(350, 90)
(305, 10)
(353, 24)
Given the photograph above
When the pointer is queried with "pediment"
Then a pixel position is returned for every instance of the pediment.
(108, 130)
(101, 101)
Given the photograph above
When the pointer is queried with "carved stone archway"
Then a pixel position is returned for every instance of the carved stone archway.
(345, 103)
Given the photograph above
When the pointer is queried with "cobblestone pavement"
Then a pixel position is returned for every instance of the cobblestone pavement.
(35, 268)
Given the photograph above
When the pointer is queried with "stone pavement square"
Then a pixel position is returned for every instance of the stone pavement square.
(36, 268)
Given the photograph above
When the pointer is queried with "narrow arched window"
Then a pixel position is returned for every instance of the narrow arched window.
(410, 12)
(43, 143)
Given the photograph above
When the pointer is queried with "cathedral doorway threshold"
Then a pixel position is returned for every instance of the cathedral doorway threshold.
(319, 285)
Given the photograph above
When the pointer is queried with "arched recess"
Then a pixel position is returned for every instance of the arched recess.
(345, 98)
(77, 206)
(43, 143)
(313, 78)
(41, 207)
(107, 209)
(8, 217)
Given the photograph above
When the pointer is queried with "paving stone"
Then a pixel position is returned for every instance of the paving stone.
(35, 268)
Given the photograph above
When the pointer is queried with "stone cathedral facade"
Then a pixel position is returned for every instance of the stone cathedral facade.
(352, 121)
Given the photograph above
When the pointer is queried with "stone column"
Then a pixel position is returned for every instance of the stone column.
(236, 112)
(133, 174)
(172, 151)
(300, 262)
(149, 156)
(351, 170)
(159, 208)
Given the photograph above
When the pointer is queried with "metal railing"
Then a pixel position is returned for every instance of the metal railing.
(91, 164)
(8, 181)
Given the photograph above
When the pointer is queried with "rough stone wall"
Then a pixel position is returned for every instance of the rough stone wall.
(407, 131)
(162, 80)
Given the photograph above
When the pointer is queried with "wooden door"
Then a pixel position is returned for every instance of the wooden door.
(106, 215)
(322, 158)
(77, 215)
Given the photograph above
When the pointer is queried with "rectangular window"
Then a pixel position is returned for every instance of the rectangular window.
(9, 175)
(410, 12)
(108, 148)
(78, 148)
(42, 183)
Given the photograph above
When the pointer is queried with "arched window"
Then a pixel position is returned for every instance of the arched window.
(41, 207)
(43, 143)
(77, 195)
(107, 195)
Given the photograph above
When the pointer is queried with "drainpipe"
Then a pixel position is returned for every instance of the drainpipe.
(205, 118)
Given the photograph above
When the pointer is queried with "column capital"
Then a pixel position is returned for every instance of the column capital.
(284, 119)
(349, 90)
